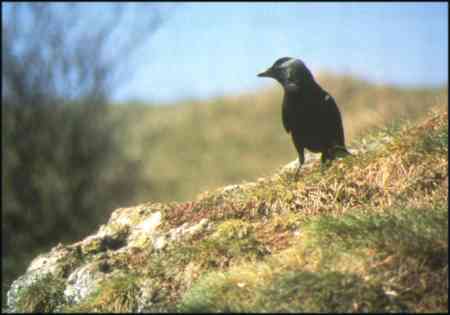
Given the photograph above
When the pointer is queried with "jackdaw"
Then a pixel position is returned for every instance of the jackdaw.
(309, 113)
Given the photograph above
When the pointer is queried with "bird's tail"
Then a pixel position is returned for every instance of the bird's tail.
(341, 151)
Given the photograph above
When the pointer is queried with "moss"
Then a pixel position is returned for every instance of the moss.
(69, 263)
(92, 247)
(113, 241)
(43, 296)
(436, 140)
(233, 240)
(290, 221)
(117, 295)
(232, 229)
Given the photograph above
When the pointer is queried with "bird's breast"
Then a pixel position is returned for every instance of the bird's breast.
(308, 121)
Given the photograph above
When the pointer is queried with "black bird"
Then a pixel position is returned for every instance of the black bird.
(309, 113)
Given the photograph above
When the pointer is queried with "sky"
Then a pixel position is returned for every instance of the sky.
(202, 50)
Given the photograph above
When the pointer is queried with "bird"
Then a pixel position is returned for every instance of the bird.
(309, 113)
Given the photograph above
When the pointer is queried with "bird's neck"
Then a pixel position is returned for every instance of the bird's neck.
(302, 89)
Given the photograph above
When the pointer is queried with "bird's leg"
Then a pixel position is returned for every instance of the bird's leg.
(340, 151)
(325, 160)
(301, 156)
(297, 173)
(301, 161)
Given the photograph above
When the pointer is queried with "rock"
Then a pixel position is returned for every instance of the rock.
(83, 265)
(187, 231)
(83, 281)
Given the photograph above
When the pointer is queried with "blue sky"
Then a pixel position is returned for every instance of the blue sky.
(208, 49)
(204, 50)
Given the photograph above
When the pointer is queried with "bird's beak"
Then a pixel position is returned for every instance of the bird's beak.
(266, 73)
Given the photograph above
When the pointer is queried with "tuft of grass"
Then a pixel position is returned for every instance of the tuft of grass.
(233, 240)
(119, 294)
(417, 233)
(368, 234)
(361, 261)
(328, 291)
(247, 128)
(290, 291)
(43, 296)
(436, 140)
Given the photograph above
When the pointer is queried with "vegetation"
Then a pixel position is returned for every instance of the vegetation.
(69, 158)
(380, 243)
(192, 146)
(368, 234)
(43, 296)
(361, 261)
(118, 295)
(59, 147)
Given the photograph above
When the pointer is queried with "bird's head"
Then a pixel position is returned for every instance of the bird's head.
(291, 73)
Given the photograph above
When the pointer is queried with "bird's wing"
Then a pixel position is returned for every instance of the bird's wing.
(286, 116)
(336, 117)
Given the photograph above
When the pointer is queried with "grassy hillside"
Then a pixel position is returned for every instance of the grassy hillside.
(188, 147)
(367, 234)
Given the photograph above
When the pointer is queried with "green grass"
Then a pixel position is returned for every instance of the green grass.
(43, 296)
(367, 234)
(193, 146)
(117, 295)
(387, 251)
(345, 279)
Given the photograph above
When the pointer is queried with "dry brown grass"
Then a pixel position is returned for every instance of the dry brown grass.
(190, 147)
(367, 235)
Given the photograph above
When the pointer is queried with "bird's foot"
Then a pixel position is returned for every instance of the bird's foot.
(297, 173)
(324, 165)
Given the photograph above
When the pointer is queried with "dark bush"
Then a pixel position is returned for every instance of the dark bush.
(62, 167)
